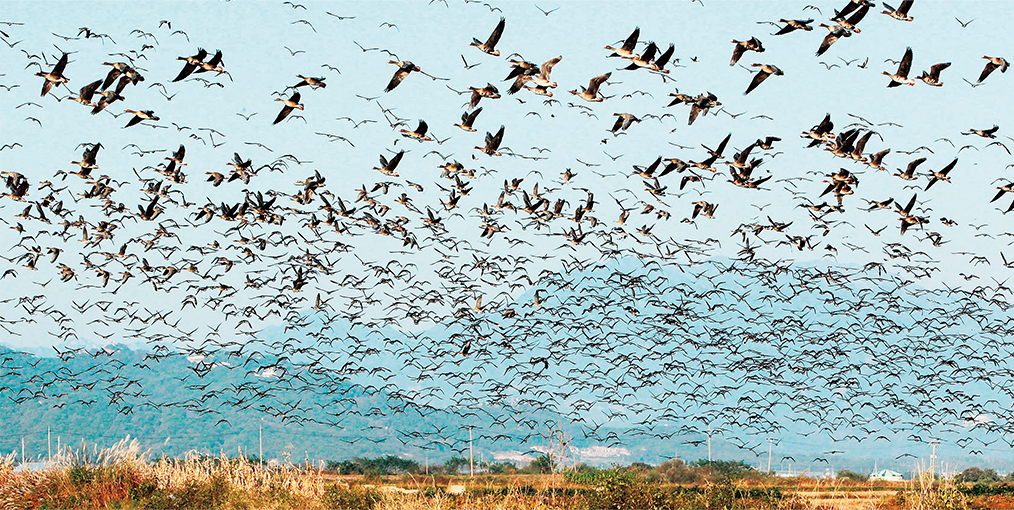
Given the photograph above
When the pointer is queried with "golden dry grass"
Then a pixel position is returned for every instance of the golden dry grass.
(122, 477)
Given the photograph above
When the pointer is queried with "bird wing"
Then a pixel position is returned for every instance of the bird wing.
(92, 153)
(217, 59)
(663, 59)
(737, 53)
(110, 78)
(861, 144)
(618, 124)
(495, 36)
(188, 68)
(88, 91)
(395, 160)
(911, 203)
(936, 69)
(859, 15)
(998, 195)
(58, 70)
(825, 125)
(906, 63)
(547, 67)
(829, 39)
(469, 118)
(721, 146)
(990, 66)
(845, 11)
(912, 166)
(519, 83)
(694, 112)
(949, 167)
(497, 139)
(399, 75)
(784, 30)
(631, 40)
(757, 79)
(596, 82)
(649, 52)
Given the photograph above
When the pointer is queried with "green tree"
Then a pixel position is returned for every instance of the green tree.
(454, 465)
(543, 464)
(725, 468)
(677, 471)
(501, 468)
(845, 474)
(977, 475)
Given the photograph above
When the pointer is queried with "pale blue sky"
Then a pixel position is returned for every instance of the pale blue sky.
(265, 46)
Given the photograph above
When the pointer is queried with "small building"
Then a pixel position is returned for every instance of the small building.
(886, 475)
(34, 466)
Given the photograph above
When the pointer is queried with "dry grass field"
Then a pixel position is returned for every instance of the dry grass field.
(120, 477)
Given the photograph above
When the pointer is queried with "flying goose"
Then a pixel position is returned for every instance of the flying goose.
(490, 44)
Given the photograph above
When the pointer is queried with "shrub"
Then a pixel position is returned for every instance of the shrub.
(624, 490)
(80, 475)
(339, 497)
(723, 468)
(976, 475)
(543, 464)
(845, 474)
(502, 468)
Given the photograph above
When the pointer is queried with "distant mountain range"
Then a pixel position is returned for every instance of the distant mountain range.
(178, 404)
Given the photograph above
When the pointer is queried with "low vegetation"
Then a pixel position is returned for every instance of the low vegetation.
(120, 477)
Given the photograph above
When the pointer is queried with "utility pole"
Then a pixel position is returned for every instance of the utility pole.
(49, 444)
(709, 443)
(933, 460)
(260, 434)
(22, 449)
(769, 455)
(471, 467)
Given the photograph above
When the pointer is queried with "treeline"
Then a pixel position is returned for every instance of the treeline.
(391, 465)
(982, 476)
(677, 472)
(673, 472)
(972, 475)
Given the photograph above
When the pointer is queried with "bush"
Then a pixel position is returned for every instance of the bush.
(379, 466)
(676, 471)
(624, 490)
(339, 497)
(723, 468)
(845, 474)
(80, 475)
(201, 495)
(454, 465)
(502, 468)
(543, 464)
(976, 475)
(588, 475)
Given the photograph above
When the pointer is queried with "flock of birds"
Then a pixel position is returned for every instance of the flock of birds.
(506, 293)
